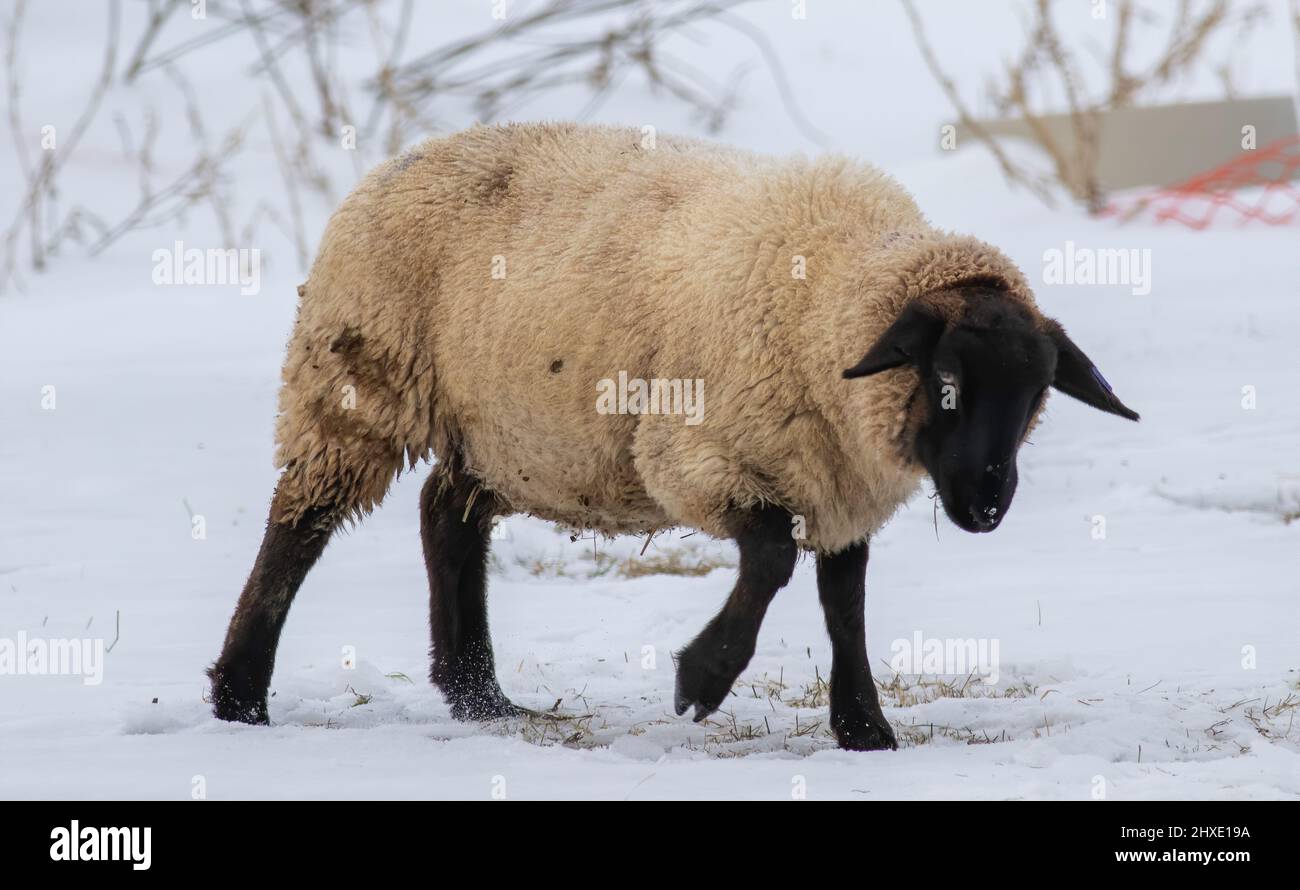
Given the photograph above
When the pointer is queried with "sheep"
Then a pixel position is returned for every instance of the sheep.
(473, 298)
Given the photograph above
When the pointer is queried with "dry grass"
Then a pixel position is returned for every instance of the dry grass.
(905, 692)
(554, 727)
(900, 692)
(1275, 721)
(796, 721)
(682, 561)
(1283, 509)
(687, 560)
(768, 714)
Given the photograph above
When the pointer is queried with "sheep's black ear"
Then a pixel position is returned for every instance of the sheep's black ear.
(1078, 377)
(915, 331)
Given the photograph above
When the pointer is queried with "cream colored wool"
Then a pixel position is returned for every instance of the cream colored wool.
(676, 261)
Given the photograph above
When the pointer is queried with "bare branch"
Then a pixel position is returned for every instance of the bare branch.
(1012, 171)
(42, 179)
(158, 15)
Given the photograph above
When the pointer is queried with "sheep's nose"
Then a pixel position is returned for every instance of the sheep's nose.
(985, 518)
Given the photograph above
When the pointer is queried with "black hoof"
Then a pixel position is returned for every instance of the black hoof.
(234, 699)
(490, 704)
(701, 683)
(864, 732)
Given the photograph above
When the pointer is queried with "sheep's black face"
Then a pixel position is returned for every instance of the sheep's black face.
(982, 387)
(983, 380)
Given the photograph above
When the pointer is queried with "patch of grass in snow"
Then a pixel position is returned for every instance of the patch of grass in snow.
(900, 691)
(795, 720)
(1275, 721)
(1282, 509)
(545, 728)
(681, 561)
(687, 560)
(906, 691)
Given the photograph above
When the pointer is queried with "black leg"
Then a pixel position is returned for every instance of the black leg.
(455, 527)
(709, 666)
(242, 674)
(856, 717)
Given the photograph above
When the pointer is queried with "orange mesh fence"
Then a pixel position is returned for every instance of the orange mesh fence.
(1259, 185)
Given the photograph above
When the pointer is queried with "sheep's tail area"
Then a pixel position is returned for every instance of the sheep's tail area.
(356, 406)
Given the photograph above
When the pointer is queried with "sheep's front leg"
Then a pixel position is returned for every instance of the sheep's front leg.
(709, 666)
(856, 718)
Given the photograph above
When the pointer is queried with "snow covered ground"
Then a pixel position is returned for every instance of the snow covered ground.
(1142, 593)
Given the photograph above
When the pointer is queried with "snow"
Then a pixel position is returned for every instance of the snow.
(1158, 661)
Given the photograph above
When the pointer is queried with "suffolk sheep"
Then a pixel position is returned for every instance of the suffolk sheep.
(472, 300)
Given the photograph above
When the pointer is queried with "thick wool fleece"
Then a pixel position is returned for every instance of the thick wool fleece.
(471, 294)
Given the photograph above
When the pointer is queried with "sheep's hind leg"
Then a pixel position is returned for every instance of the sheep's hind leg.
(856, 718)
(456, 527)
(242, 674)
(710, 665)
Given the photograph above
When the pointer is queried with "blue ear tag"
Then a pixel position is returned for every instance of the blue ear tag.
(1100, 379)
